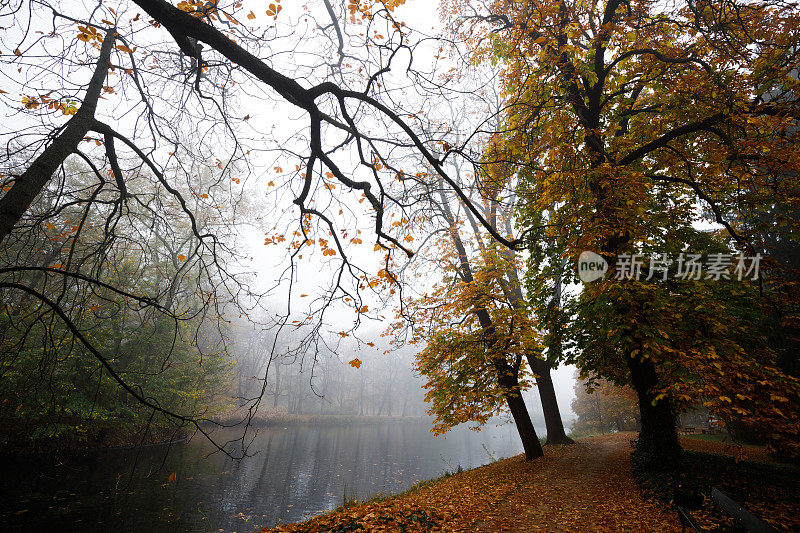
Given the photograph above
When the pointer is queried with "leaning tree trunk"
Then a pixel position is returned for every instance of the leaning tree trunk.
(27, 186)
(540, 367)
(507, 375)
(519, 412)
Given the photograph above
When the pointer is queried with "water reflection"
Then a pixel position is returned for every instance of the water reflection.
(300, 471)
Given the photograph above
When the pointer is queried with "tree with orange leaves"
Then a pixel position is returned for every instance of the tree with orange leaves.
(621, 118)
(475, 340)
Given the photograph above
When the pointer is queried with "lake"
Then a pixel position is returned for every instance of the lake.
(299, 471)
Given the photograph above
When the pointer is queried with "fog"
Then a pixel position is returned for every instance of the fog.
(308, 376)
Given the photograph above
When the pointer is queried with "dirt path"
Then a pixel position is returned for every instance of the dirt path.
(588, 486)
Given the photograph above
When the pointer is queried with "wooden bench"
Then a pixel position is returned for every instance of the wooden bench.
(746, 520)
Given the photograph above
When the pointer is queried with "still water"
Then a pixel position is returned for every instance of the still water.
(298, 472)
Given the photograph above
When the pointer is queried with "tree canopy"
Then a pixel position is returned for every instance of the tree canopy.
(627, 124)
(144, 137)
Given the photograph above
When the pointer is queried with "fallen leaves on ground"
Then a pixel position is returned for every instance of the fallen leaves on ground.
(742, 452)
(587, 486)
(745, 473)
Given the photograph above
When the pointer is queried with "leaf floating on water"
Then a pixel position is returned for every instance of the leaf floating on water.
(172, 477)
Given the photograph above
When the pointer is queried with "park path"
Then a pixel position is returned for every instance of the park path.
(587, 486)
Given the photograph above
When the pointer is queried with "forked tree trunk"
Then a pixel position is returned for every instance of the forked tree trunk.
(507, 375)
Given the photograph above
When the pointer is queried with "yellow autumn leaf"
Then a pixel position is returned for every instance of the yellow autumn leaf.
(30, 103)
(355, 363)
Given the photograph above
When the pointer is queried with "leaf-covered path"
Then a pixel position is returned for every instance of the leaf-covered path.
(584, 487)
(587, 486)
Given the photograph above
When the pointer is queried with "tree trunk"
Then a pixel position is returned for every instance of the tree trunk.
(507, 375)
(16, 201)
(659, 434)
(300, 394)
(361, 399)
(277, 387)
(547, 395)
(527, 433)
(599, 410)
(405, 403)
(380, 409)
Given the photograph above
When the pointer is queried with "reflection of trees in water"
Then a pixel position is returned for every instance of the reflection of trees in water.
(299, 471)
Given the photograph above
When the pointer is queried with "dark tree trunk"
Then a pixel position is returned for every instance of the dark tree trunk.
(519, 412)
(547, 395)
(507, 375)
(16, 201)
(659, 434)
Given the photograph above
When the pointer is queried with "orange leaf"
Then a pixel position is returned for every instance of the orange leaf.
(355, 363)
(172, 477)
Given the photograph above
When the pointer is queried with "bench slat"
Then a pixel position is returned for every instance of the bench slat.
(748, 520)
